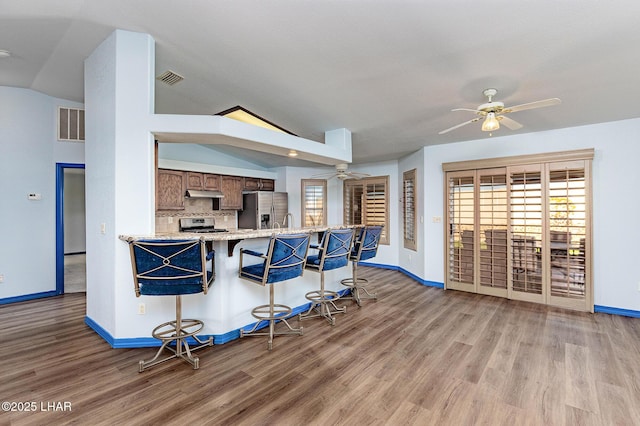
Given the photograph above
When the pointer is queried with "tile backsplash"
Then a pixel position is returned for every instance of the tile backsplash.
(167, 220)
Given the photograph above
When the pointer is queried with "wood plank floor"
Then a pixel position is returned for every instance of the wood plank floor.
(419, 355)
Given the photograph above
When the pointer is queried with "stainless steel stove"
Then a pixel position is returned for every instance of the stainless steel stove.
(199, 225)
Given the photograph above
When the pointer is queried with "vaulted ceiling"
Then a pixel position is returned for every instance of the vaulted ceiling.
(390, 71)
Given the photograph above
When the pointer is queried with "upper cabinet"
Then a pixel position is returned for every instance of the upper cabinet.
(202, 181)
(170, 189)
(171, 186)
(211, 182)
(257, 184)
(231, 187)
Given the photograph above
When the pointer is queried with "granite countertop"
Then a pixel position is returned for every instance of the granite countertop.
(236, 234)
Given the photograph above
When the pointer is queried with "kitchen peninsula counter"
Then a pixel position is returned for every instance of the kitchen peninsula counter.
(233, 237)
(227, 306)
(234, 234)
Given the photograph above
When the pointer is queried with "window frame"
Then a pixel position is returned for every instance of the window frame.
(580, 258)
(304, 183)
(363, 183)
(409, 203)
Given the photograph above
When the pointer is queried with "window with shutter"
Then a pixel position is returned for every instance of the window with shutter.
(492, 206)
(461, 218)
(409, 209)
(567, 209)
(519, 228)
(366, 202)
(526, 230)
(314, 202)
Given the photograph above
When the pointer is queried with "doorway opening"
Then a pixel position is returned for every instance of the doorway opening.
(70, 228)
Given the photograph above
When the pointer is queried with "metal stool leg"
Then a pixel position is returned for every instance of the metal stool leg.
(357, 286)
(272, 313)
(177, 331)
(323, 303)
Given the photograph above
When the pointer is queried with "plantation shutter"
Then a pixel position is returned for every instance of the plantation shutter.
(409, 209)
(493, 221)
(366, 202)
(314, 199)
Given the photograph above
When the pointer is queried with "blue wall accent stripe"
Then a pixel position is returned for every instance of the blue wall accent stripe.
(25, 297)
(616, 311)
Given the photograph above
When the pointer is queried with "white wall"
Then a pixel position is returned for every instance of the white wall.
(29, 151)
(120, 163)
(616, 177)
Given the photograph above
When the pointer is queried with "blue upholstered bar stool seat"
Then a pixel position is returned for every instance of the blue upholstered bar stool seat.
(285, 260)
(173, 268)
(365, 247)
(333, 253)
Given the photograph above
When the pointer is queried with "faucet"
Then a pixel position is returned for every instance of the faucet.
(288, 220)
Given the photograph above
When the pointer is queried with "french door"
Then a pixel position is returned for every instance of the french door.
(522, 232)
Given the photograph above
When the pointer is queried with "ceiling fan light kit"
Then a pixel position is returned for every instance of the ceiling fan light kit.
(494, 113)
(491, 123)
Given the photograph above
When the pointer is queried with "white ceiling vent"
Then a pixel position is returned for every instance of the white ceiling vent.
(170, 77)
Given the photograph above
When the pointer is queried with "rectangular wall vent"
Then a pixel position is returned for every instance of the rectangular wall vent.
(170, 77)
(70, 124)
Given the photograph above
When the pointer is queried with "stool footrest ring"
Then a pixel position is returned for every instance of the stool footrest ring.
(358, 290)
(272, 315)
(168, 333)
(323, 302)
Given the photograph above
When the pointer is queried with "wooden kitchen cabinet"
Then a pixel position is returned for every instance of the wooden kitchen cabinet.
(257, 184)
(267, 184)
(211, 182)
(203, 181)
(231, 187)
(170, 189)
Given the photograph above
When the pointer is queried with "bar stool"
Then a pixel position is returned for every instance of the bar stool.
(365, 247)
(173, 268)
(333, 253)
(285, 259)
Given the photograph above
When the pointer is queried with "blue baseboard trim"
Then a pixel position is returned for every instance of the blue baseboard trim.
(616, 311)
(26, 297)
(98, 329)
(404, 271)
(218, 339)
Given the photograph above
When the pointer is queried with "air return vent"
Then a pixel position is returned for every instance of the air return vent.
(70, 124)
(170, 77)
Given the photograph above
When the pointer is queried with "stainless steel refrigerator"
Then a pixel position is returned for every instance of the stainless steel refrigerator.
(262, 209)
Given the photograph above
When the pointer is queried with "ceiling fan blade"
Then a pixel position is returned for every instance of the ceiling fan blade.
(324, 175)
(510, 123)
(466, 109)
(358, 175)
(459, 125)
(532, 105)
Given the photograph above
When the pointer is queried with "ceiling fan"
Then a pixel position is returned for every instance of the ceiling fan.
(493, 113)
(341, 173)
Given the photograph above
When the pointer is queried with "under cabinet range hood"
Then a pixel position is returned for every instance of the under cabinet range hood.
(193, 193)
